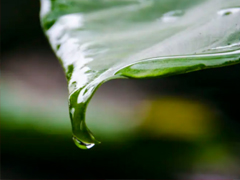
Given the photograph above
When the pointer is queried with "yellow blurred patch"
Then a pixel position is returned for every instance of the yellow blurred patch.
(177, 118)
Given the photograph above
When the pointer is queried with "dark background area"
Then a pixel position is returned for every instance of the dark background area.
(33, 88)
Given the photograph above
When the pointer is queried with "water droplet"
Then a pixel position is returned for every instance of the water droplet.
(172, 16)
(82, 144)
(225, 12)
(82, 136)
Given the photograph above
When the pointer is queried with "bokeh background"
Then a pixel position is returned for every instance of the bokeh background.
(180, 127)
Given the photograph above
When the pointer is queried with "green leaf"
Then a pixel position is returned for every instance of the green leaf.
(99, 40)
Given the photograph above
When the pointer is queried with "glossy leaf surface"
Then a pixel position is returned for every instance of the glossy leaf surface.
(99, 40)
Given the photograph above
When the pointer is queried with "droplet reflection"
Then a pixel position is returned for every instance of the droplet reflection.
(81, 144)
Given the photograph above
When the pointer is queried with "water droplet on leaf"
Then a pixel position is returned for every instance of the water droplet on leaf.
(172, 16)
(228, 11)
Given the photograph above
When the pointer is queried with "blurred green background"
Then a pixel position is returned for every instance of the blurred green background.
(179, 127)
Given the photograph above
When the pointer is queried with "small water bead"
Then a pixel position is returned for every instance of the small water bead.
(172, 16)
(81, 144)
(225, 12)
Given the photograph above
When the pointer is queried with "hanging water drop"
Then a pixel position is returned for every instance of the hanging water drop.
(82, 136)
(81, 144)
